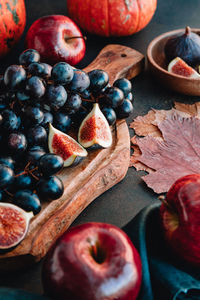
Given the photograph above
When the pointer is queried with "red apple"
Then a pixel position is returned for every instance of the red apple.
(93, 261)
(56, 38)
(180, 214)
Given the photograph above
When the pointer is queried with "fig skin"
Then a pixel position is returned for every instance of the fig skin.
(185, 46)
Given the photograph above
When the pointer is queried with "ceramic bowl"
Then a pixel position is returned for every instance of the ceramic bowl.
(158, 66)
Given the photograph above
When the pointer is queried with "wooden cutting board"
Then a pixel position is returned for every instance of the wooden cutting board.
(84, 182)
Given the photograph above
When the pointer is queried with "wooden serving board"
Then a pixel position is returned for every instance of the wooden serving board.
(84, 182)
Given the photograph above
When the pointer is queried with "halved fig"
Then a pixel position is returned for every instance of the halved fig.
(95, 130)
(14, 223)
(64, 145)
(179, 67)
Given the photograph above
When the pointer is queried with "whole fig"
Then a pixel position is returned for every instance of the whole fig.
(185, 46)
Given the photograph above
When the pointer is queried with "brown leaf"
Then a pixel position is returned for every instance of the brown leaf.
(190, 110)
(172, 157)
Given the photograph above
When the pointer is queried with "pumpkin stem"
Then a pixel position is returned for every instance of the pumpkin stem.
(187, 30)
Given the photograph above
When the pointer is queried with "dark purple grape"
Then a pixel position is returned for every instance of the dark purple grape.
(49, 164)
(48, 118)
(6, 176)
(29, 56)
(79, 116)
(73, 103)
(7, 161)
(37, 135)
(56, 96)
(86, 94)
(35, 87)
(50, 188)
(3, 105)
(62, 73)
(10, 120)
(80, 82)
(34, 153)
(14, 77)
(62, 121)
(32, 115)
(36, 69)
(129, 96)
(28, 201)
(22, 96)
(124, 85)
(17, 143)
(47, 70)
(124, 110)
(23, 181)
(113, 97)
(110, 115)
(98, 80)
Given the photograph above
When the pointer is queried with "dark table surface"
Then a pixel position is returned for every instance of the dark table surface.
(122, 202)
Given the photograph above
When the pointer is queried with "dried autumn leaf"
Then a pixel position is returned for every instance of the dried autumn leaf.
(174, 155)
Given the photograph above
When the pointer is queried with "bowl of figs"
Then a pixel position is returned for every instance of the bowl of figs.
(174, 59)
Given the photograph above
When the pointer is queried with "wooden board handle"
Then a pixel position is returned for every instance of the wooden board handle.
(118, 61)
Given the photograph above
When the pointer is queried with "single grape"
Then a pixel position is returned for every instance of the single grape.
(32, 115)
(56, 96)
(48, 118)
(110, 115)
(78, 117)
(129, 96)
(80, 82)
(34, 153)
(73, 103)
(3, 105)
(22, 96)
(36, 69)
(7, 161)
(47, 70)
(10, 121)
(29, 56)
(35, 87)
(23, 182)
(6, 176)
(49, 164)
(86, 94)
(17, 143)
(14, 76)
(124, 110)
(28, 201)
(62, 121)
(113, 97)
(62, 73)
(50, 188)
(98, 80)
(124, 85)
(37, 135)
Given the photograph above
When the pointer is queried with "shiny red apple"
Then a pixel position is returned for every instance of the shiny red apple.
(180, 214)
(93, 261)
(56, 38)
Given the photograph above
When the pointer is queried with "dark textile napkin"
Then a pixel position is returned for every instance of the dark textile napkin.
(165, 276)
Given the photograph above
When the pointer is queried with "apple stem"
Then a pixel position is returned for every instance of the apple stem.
(75, 37)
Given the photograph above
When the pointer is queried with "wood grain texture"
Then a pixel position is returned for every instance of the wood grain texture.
(157, 64)
(102, 169)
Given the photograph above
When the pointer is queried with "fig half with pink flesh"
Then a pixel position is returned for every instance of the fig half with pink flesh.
(179, 67)
(64, 145)
(14, 223)
(95, 130)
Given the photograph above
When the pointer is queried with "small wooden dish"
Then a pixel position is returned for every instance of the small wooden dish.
(158, 66)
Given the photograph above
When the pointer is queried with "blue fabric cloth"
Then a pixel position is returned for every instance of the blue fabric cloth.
(165, 276)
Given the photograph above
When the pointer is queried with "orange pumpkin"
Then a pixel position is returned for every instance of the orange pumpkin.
(12, 23)
(112, 17)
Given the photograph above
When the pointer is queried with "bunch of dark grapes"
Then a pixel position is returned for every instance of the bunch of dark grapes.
(34, 94)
